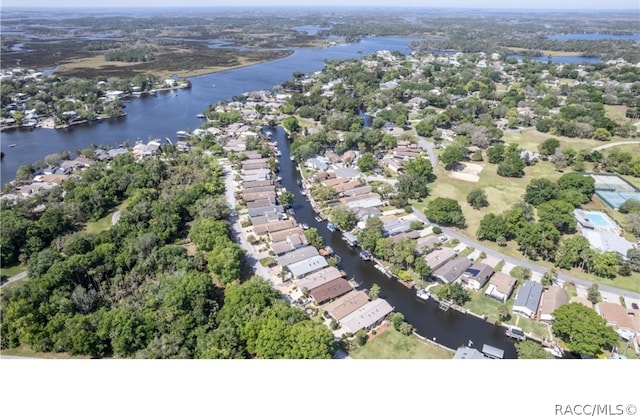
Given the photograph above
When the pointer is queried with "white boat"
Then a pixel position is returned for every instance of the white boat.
(12, 145)
(423, 294)
(182, 134)
(319, 219)
(305, 226)
(556, 351)
(200, 115)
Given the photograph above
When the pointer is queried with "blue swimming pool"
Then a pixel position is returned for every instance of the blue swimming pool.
(598, 220)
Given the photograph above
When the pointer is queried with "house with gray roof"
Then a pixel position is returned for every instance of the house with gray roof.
(307, 266)
(451, 271)
(292, 242)
(295, 256)
(528, 299)
(477, 275)
(318, 278)
(467, 353)
(367, 316)
(396, 227)
(439, 257)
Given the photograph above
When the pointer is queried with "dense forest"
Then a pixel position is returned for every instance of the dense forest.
(132, 290)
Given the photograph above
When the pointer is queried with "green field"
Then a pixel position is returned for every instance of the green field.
(482, 305)
(391, 344)
(13, 270)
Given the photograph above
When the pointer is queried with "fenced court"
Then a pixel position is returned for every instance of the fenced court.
(614, 190)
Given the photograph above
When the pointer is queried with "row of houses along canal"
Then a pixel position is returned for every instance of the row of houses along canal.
(450, 328)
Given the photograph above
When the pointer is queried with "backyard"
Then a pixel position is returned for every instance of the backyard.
(390, 344)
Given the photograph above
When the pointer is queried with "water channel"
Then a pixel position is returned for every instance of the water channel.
(450, 328)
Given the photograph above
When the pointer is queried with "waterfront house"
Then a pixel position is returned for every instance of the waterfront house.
(330, 290)
(297, 255)
(467, 353)
(273, 227)
(307, 266)
(319, 278)
(452, 270)
(500, 286)
(367, 316)
(552, 298)
(287, 233)
(346, 304)
(292, 242)
(317, 163)
(271, 209)
(439, 257)
(476, 275)
(527, 299)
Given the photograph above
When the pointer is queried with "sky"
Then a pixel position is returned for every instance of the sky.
(490, 4)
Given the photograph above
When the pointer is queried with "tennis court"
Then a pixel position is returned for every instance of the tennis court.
(614, 190)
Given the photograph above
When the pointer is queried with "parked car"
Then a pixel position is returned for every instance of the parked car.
(634, 306)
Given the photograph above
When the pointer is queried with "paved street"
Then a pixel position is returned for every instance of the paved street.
(612, 293)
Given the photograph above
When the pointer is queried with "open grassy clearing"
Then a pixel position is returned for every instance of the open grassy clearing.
(24, 351)
(13, 270)
(391, 344)
(531, 139)
(547, 52)
(617, 113)
(482, 305)
(104, 223)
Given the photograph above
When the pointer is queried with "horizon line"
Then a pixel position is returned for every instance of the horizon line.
(311, 6)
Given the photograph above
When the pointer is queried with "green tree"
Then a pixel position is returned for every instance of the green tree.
(549, 146)
(291, 124)
(374, 291)
(226, 261)
(582, 329)
(372, 232)
(531, 350)
(451, 156)
(512, 166)
(343, 217)
(287, 198)
(477, 198)
(540, 190)
(367, 162)
(313, 238)
(496, 153)
(593, 294)
(445, 211)
(603, 264)
(492, 227)
(558, 213)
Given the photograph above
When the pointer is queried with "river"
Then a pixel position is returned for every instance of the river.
(451, 328)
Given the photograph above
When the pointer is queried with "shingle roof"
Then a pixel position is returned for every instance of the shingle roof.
(346, 304)
(330, 290)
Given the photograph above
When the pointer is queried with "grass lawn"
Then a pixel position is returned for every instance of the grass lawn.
(531, 139)
(483, 305)
(536, 328)
(391, 344)
(13, 270)
(103, 224)
(24, 351)
(617, 113)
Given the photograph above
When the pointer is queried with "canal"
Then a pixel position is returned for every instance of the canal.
(450, 328)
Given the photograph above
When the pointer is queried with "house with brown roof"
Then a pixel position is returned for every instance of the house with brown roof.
(275, 226)
(287, 233)
(292, 242)
(500, 286)
(330, 290)
(552, 298)
(626, 322)
(346, 304)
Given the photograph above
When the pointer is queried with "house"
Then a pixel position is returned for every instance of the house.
(467, 353)
(319, 278)
(346, 304)
(288, 233)
(476, 275)
(552, 298)
(259, 211)
(292, 242)
(260, 203)
(330, 290)
(273, 227)
(500, 286)
(411, 235)
(307, 266)
(451, 271)
(528, 299)
(426, 244)
(626, 322)
(437, 258)
(295, 256)
(318, 163)
(367, 316)
(396, 226)
(492, 352)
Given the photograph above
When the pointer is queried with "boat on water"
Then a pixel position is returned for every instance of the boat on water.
(319, 218)
(12, 145)
(305, 226)
(423, 294)
(200, 115)
(383, 270)
(365, 255)
(555, 351)
(331, 227)
(292, 158)
(182, 134)
(515, 333)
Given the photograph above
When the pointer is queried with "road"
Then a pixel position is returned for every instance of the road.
(15, 278)
(429, 147)
(608, 145)
(451, 233)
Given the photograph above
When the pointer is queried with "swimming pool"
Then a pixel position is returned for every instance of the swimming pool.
(599, 220)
